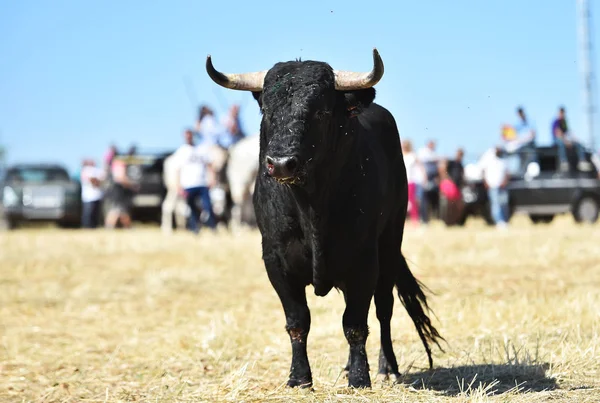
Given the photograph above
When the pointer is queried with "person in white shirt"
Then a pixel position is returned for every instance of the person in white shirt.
(194, 178)
(415, 174)
(495, 179)
(428, 153)
(91, 193)
(428, 158)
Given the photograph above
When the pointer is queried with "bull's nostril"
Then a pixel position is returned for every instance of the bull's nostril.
(291, 164)
(270, 165)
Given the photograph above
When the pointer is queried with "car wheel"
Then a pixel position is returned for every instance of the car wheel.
(586, 210)
(442, 211)
(69, 224)
(541, 218)
(8, 223)
(463, 219)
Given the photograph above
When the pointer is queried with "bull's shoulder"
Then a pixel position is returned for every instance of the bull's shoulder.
(379, 131)
(379, 116)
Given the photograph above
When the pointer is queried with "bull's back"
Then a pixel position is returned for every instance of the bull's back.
(382, 136)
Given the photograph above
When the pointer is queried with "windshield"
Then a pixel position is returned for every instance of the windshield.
(34, 174)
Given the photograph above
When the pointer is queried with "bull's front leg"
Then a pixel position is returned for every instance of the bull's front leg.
(358, 294)
(293, 299)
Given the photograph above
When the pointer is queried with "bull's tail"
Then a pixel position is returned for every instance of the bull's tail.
(410, 291)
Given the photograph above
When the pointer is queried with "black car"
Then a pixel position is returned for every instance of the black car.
(145, 170)
(40, 192)
(540, 190)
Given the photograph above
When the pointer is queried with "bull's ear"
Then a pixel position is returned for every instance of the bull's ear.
(258, 95)
(358, 99)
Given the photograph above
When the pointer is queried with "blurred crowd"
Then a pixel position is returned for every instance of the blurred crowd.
(196, 165)
(449, 175)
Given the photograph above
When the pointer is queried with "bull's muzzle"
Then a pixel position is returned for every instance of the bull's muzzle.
(282, 168)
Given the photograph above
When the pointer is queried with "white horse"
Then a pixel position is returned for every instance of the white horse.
(173, 203)
(242, 169)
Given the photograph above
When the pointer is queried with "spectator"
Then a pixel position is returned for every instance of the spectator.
(415, 175)
(121, 194)
(194, 177)
(210, 131)
(428, 153)
(525, 137)
(495, 179)
(132, 150)
(109, 156)
(428, 157)
(562, 138)
(232, 124)
(91, 193)
(452, 202)
(457, 170)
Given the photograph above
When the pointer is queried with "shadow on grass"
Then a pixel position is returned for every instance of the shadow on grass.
(490, 379)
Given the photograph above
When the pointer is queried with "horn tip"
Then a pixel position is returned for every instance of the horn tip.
(376, 54)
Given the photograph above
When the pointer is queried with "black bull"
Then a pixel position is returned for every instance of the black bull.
(330, 202)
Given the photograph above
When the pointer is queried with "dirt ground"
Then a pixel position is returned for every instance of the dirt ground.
(99, 316)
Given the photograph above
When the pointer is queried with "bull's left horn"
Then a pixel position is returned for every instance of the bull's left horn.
(243, 82)
(350, 80)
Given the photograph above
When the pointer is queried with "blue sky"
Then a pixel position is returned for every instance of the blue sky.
(77, 75)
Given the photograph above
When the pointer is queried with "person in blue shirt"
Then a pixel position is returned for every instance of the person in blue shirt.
(210, 131)
(233, 124)
(526, 135)
(562, 138)
(525, 129)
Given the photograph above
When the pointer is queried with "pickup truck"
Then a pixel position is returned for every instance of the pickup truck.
(539, 189)
(40, 193)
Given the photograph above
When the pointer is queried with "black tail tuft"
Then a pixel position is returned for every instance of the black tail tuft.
(414, 300)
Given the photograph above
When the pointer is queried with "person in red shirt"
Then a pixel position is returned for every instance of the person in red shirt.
(451, 193)
(121, 194)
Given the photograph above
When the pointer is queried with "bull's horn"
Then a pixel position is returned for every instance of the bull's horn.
(243, 82)
(349, 80)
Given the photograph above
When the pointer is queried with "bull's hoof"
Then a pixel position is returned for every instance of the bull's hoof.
(300, 383)
(359, 381)
(382, 378)
(385, 377)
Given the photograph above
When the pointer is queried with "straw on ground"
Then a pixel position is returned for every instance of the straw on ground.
(139, 316)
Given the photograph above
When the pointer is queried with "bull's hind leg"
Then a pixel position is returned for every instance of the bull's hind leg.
(384, 303)
(293, 299)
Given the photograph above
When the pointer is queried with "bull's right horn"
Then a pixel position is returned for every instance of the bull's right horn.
(243, 82)
(350, 80)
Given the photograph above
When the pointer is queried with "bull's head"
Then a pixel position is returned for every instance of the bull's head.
(306, 107)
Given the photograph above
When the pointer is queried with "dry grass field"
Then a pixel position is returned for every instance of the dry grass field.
(139, 316)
